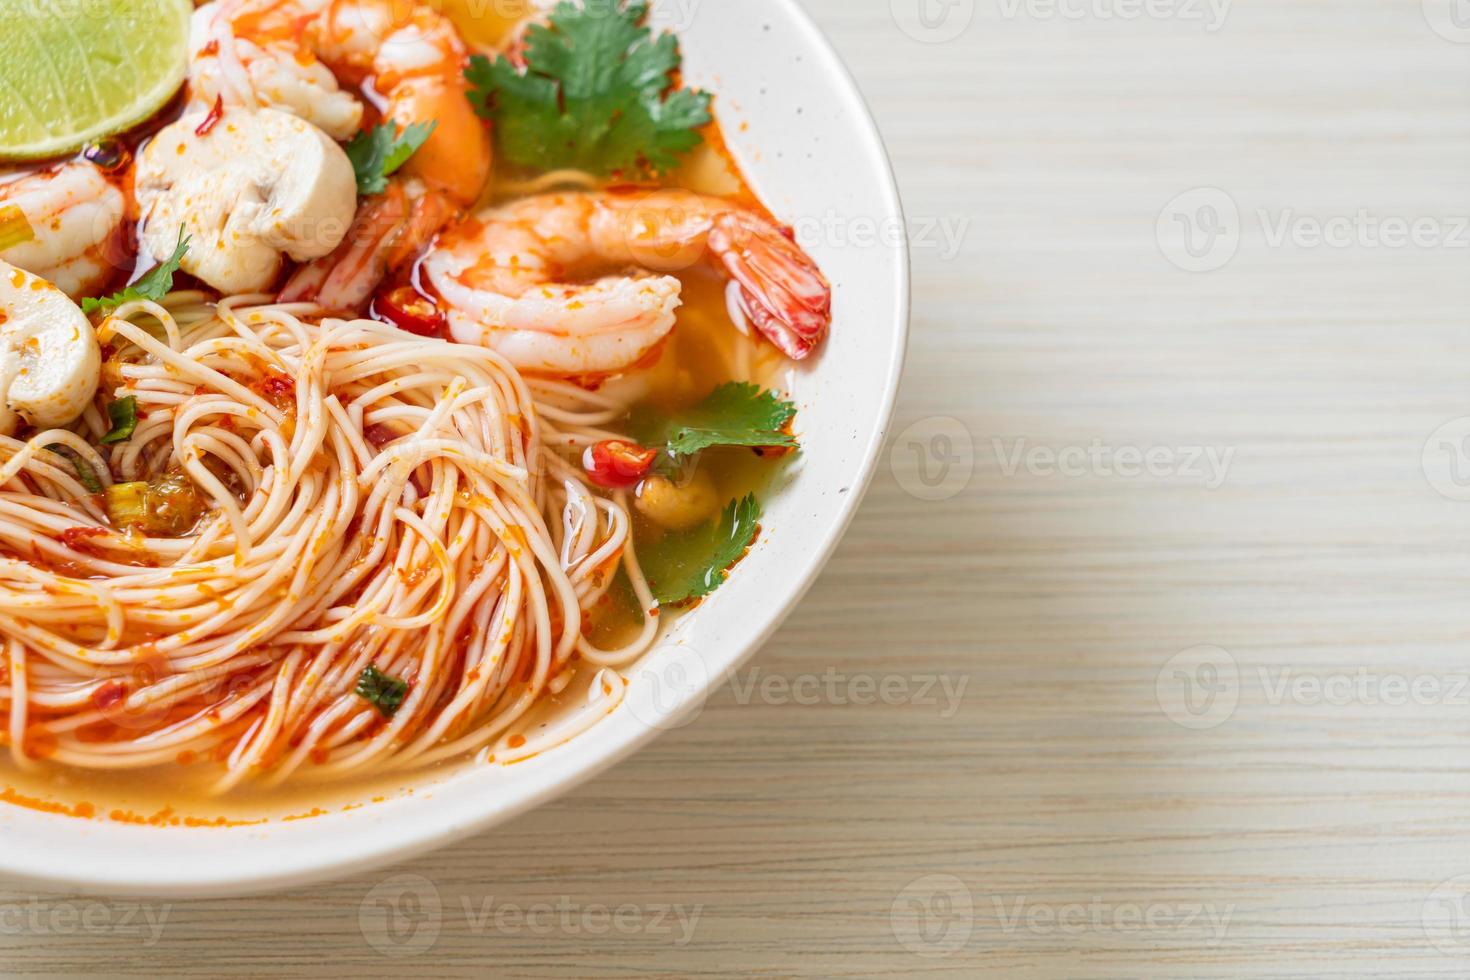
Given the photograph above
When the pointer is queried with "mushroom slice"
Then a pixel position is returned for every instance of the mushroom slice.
(246, 187)
(50, 363)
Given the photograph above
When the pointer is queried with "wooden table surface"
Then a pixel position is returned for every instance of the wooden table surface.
(1161, 604)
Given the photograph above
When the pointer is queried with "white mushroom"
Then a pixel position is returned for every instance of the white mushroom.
(258, 183)
(50, 363)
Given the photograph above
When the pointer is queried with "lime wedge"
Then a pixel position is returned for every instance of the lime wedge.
(71, 72)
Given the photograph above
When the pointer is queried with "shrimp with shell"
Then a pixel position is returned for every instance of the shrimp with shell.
(523, 279)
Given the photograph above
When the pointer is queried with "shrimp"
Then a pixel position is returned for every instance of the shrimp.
(65, 224)
(509, 278)
(306, 57)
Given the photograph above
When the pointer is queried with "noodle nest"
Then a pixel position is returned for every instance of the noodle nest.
(373, 499)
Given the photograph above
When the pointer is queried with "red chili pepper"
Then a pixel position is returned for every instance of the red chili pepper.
(616, 464)
(109, 694)
(278, 389)
(211, 120)
(412, 311)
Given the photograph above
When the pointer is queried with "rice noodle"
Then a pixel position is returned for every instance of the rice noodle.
(398, 507)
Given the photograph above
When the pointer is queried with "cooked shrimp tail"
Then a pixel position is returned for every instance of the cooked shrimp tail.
(781, 289)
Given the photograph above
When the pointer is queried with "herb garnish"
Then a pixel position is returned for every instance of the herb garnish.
(378, 153)
(692, 564)
(734, 414)
(124, 415)
(597, 93)
(153, 285)
(381, 691)
(85, 474)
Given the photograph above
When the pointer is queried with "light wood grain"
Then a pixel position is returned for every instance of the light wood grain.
(1058, 786)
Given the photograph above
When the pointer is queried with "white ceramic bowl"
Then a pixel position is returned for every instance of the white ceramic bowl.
(800, 130)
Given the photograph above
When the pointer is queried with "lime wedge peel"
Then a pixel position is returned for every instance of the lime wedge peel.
(72, 71)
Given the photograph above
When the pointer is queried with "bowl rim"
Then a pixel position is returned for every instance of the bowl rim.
(30, 868)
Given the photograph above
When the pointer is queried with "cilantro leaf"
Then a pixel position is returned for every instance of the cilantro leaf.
(153, 285)
(692, 564)
(124, 415)
(377, 153)
(734, 414)
(381, 691)
(596, 93)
